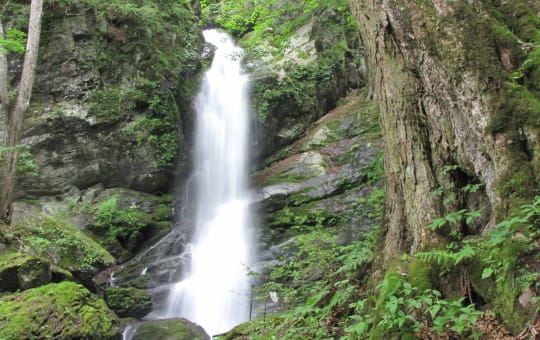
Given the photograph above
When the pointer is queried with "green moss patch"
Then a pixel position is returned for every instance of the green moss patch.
(128, 302)
(59, 242)
(174, 329)
(520, 107)
(56, 311)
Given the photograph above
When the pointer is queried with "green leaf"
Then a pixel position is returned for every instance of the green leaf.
(487, 272)
(434, 310)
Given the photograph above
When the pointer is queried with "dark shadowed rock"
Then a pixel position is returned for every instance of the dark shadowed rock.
(21, 272)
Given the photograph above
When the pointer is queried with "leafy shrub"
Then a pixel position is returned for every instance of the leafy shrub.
(119, 224)
(13, 42)
(403, 309)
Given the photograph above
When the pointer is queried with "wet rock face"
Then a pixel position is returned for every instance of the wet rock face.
(292, 91)
(105, 109)
(330, 178)
(72, 153)
(160, 265)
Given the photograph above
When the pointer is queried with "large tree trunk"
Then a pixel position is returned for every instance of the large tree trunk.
(16, 116)
(440, 71)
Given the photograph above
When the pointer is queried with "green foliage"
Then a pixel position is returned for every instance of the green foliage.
(25, 163)
(454, 218)
(317, 282)
(498, 260)
(267, 29)
(113, 103)
(371, 206)
(159, 127)
(261, 17)
(374, 170)
(299, 87)
(449, 257)
(501, 249)
(118, 224)
(498, 251)
(315, 255)
(13, 42)
(402, 309)
(124, 227)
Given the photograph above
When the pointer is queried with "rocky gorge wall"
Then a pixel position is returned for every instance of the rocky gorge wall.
(109, 132)
(109, 95)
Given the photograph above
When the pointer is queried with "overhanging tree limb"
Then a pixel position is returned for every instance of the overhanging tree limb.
(16, 116)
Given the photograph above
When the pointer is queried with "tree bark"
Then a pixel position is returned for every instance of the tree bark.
(4, 80)
(439, 71)
(16, 116)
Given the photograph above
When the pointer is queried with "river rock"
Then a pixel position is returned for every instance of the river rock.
(170, 329)
(128, 302)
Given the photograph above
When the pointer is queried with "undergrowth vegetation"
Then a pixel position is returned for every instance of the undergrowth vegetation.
(324, 292)
(123, 226)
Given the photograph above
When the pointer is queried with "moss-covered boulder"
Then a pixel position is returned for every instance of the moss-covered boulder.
(73, 254)
(19, 271)
(170, 329)
(56, 311)
(128, 302)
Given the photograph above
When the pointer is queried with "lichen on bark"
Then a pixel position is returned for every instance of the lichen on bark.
(456, 86)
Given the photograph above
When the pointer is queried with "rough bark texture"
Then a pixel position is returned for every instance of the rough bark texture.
(440, 71)
(3, 73)
(16, 117)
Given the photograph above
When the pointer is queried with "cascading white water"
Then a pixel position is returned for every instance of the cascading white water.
(215, 292)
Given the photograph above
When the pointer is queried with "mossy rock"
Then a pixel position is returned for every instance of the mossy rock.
(240, 331)
(127, 221)
(60, 243)
(170, 329)
(57, 311)
(21, 272)
(128, 302)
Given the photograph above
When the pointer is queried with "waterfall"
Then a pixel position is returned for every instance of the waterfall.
(215, 290)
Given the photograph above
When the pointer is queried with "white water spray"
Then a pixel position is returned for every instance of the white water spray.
(215, 292)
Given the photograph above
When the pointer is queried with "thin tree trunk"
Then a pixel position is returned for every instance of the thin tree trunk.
(3, 73)
(16, 117)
